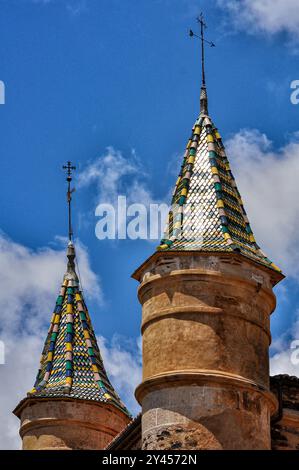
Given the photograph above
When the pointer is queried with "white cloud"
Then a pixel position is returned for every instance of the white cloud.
(113, 175)
(285, 361)
(268, 182)
(29, 283)
(286, 347)
(281, 363)
(27, 278)
(122, 359)
(30, 277)
(17, 376)
(266, 16)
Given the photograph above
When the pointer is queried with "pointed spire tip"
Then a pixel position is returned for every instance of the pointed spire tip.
(71, 268)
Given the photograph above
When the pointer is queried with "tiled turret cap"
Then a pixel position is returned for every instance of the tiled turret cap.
(207, 212)
(71, 364)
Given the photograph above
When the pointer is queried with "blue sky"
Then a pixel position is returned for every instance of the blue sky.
(82, 76)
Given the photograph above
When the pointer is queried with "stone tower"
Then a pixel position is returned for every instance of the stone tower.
(206, 297)
(72, 405)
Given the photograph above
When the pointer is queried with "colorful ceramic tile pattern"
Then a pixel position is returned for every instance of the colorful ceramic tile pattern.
(71, 364)
(207, 211)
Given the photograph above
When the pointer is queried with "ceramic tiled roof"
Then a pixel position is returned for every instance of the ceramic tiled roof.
(71, 364)
(207, 211)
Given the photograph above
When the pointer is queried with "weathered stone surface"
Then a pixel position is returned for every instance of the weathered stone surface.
(214, 413)
(285, 425)
(69, 424)
(285, 436)
(181, 438)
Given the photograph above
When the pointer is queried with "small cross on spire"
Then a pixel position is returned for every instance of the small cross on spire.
(203, 26)
(69, 169)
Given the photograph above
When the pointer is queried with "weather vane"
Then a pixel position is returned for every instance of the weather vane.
(69, 168)
(200, 20)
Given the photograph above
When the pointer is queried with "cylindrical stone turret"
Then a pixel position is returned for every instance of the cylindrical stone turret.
(206, 336)
(68, 424)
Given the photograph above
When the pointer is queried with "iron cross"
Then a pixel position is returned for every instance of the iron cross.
(200, 20)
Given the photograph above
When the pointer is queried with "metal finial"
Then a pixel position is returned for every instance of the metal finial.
(69, 168)
(203, 95)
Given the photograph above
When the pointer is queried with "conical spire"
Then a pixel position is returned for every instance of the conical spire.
(207, 212)
(71, 364)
